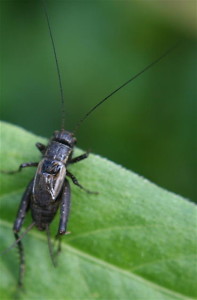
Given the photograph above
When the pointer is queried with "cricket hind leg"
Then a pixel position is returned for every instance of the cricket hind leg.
(64, 208)
(21, 259)
(51, 247)
(59, 246)
(23, 208)
(64, 199)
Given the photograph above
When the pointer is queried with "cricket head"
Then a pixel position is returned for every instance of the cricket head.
(65, 137)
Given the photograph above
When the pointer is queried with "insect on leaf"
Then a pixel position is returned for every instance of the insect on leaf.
(134, 240)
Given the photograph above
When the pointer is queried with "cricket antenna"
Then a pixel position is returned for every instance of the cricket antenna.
(125, 83)
(57, 65)
(19, 239)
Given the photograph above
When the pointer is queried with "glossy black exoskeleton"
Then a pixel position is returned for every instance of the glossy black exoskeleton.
(49, 189)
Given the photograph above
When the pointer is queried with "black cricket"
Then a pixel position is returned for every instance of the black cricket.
(49, 190)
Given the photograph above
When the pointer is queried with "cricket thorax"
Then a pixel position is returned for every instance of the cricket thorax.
(58, 151)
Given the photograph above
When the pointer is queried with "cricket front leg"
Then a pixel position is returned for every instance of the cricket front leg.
(23, 208)
(41, 147)
(79, 158)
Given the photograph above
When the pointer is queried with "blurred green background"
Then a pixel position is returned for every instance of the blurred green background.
(149, 126)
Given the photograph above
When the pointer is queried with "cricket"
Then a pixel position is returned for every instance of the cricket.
(49, 190)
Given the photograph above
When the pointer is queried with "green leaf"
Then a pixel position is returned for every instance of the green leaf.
(132, 241)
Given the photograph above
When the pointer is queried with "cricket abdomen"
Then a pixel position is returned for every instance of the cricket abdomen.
(44, 215)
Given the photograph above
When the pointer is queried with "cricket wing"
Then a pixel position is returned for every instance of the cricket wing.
(48, 181)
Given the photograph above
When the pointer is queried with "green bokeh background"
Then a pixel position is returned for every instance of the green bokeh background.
(149, 126)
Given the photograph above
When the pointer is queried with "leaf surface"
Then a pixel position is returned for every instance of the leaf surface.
(134, 240)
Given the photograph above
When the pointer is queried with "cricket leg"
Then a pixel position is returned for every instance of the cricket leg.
(79, 158)
(64, 208)
(24, 165)
(51, 251)
(41, 147)
(23, 208)
(75, 181)
(64, 213)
